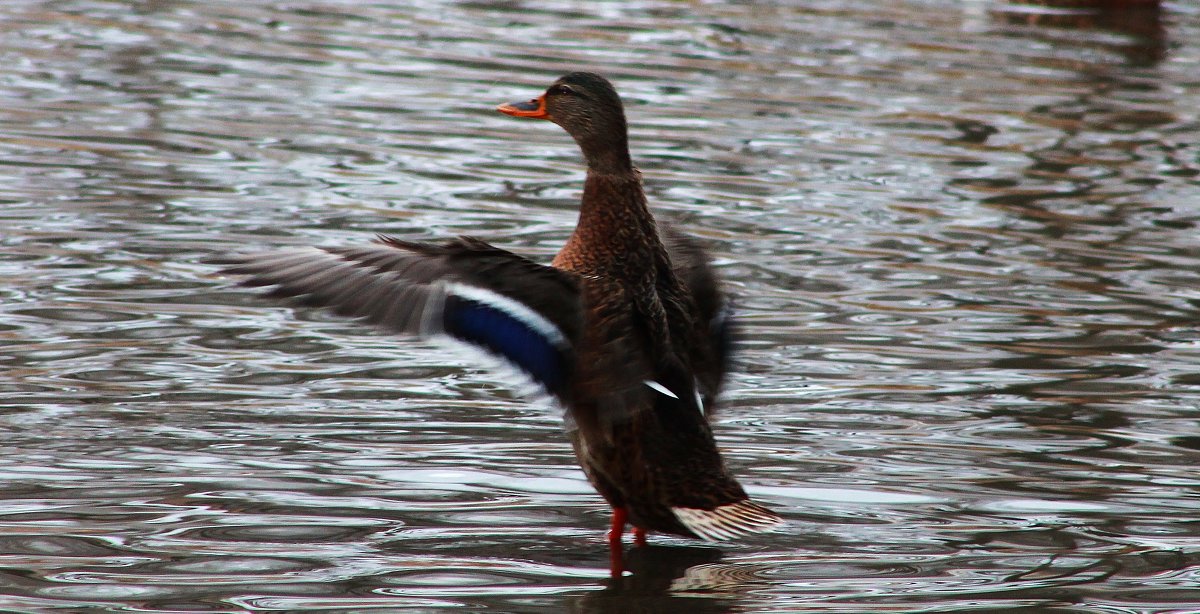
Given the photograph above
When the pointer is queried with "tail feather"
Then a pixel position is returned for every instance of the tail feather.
(728, 521)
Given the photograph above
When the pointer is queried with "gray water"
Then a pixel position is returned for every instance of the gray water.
(962, 237)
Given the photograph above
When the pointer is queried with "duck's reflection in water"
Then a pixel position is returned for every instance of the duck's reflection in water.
(671, 579)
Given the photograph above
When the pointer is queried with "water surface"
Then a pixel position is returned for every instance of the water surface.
(962, 236)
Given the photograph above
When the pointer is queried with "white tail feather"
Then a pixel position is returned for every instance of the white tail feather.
(728, 521)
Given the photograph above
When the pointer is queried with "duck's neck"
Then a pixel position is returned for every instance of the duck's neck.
(605, 147)
(616, 234)
(607, 157)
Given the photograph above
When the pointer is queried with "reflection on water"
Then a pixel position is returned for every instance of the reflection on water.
(1139, 22)
(962, 237)
(664, 579)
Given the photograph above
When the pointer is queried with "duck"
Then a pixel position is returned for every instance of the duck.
(627, 328)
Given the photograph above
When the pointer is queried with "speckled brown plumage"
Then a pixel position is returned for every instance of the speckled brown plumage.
(627, 328)
(650, 452)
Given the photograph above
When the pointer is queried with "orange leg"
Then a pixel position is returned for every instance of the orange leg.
(639, 536)
(616, 564)
(617, 530)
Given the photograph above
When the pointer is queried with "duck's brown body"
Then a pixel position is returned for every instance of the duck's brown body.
(644, 451)
(627, 328)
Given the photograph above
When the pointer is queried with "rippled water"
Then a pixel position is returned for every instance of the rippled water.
(962, 234)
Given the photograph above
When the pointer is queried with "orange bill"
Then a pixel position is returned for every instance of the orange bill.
(533, 108)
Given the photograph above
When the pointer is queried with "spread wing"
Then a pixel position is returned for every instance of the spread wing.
(714, 324)
(512, 307)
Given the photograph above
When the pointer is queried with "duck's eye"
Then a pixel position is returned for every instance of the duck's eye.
(561, 89)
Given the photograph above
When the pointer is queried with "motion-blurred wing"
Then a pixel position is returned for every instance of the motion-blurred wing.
(715, 329)
(524, 312)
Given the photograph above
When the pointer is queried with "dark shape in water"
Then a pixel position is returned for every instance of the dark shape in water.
(1139, 19)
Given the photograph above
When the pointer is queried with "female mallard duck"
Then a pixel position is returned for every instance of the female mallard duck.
(626, 328)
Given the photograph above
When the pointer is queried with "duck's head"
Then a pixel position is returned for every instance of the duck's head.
(589, 109)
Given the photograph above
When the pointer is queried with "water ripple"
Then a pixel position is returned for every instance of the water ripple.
(961, 239)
